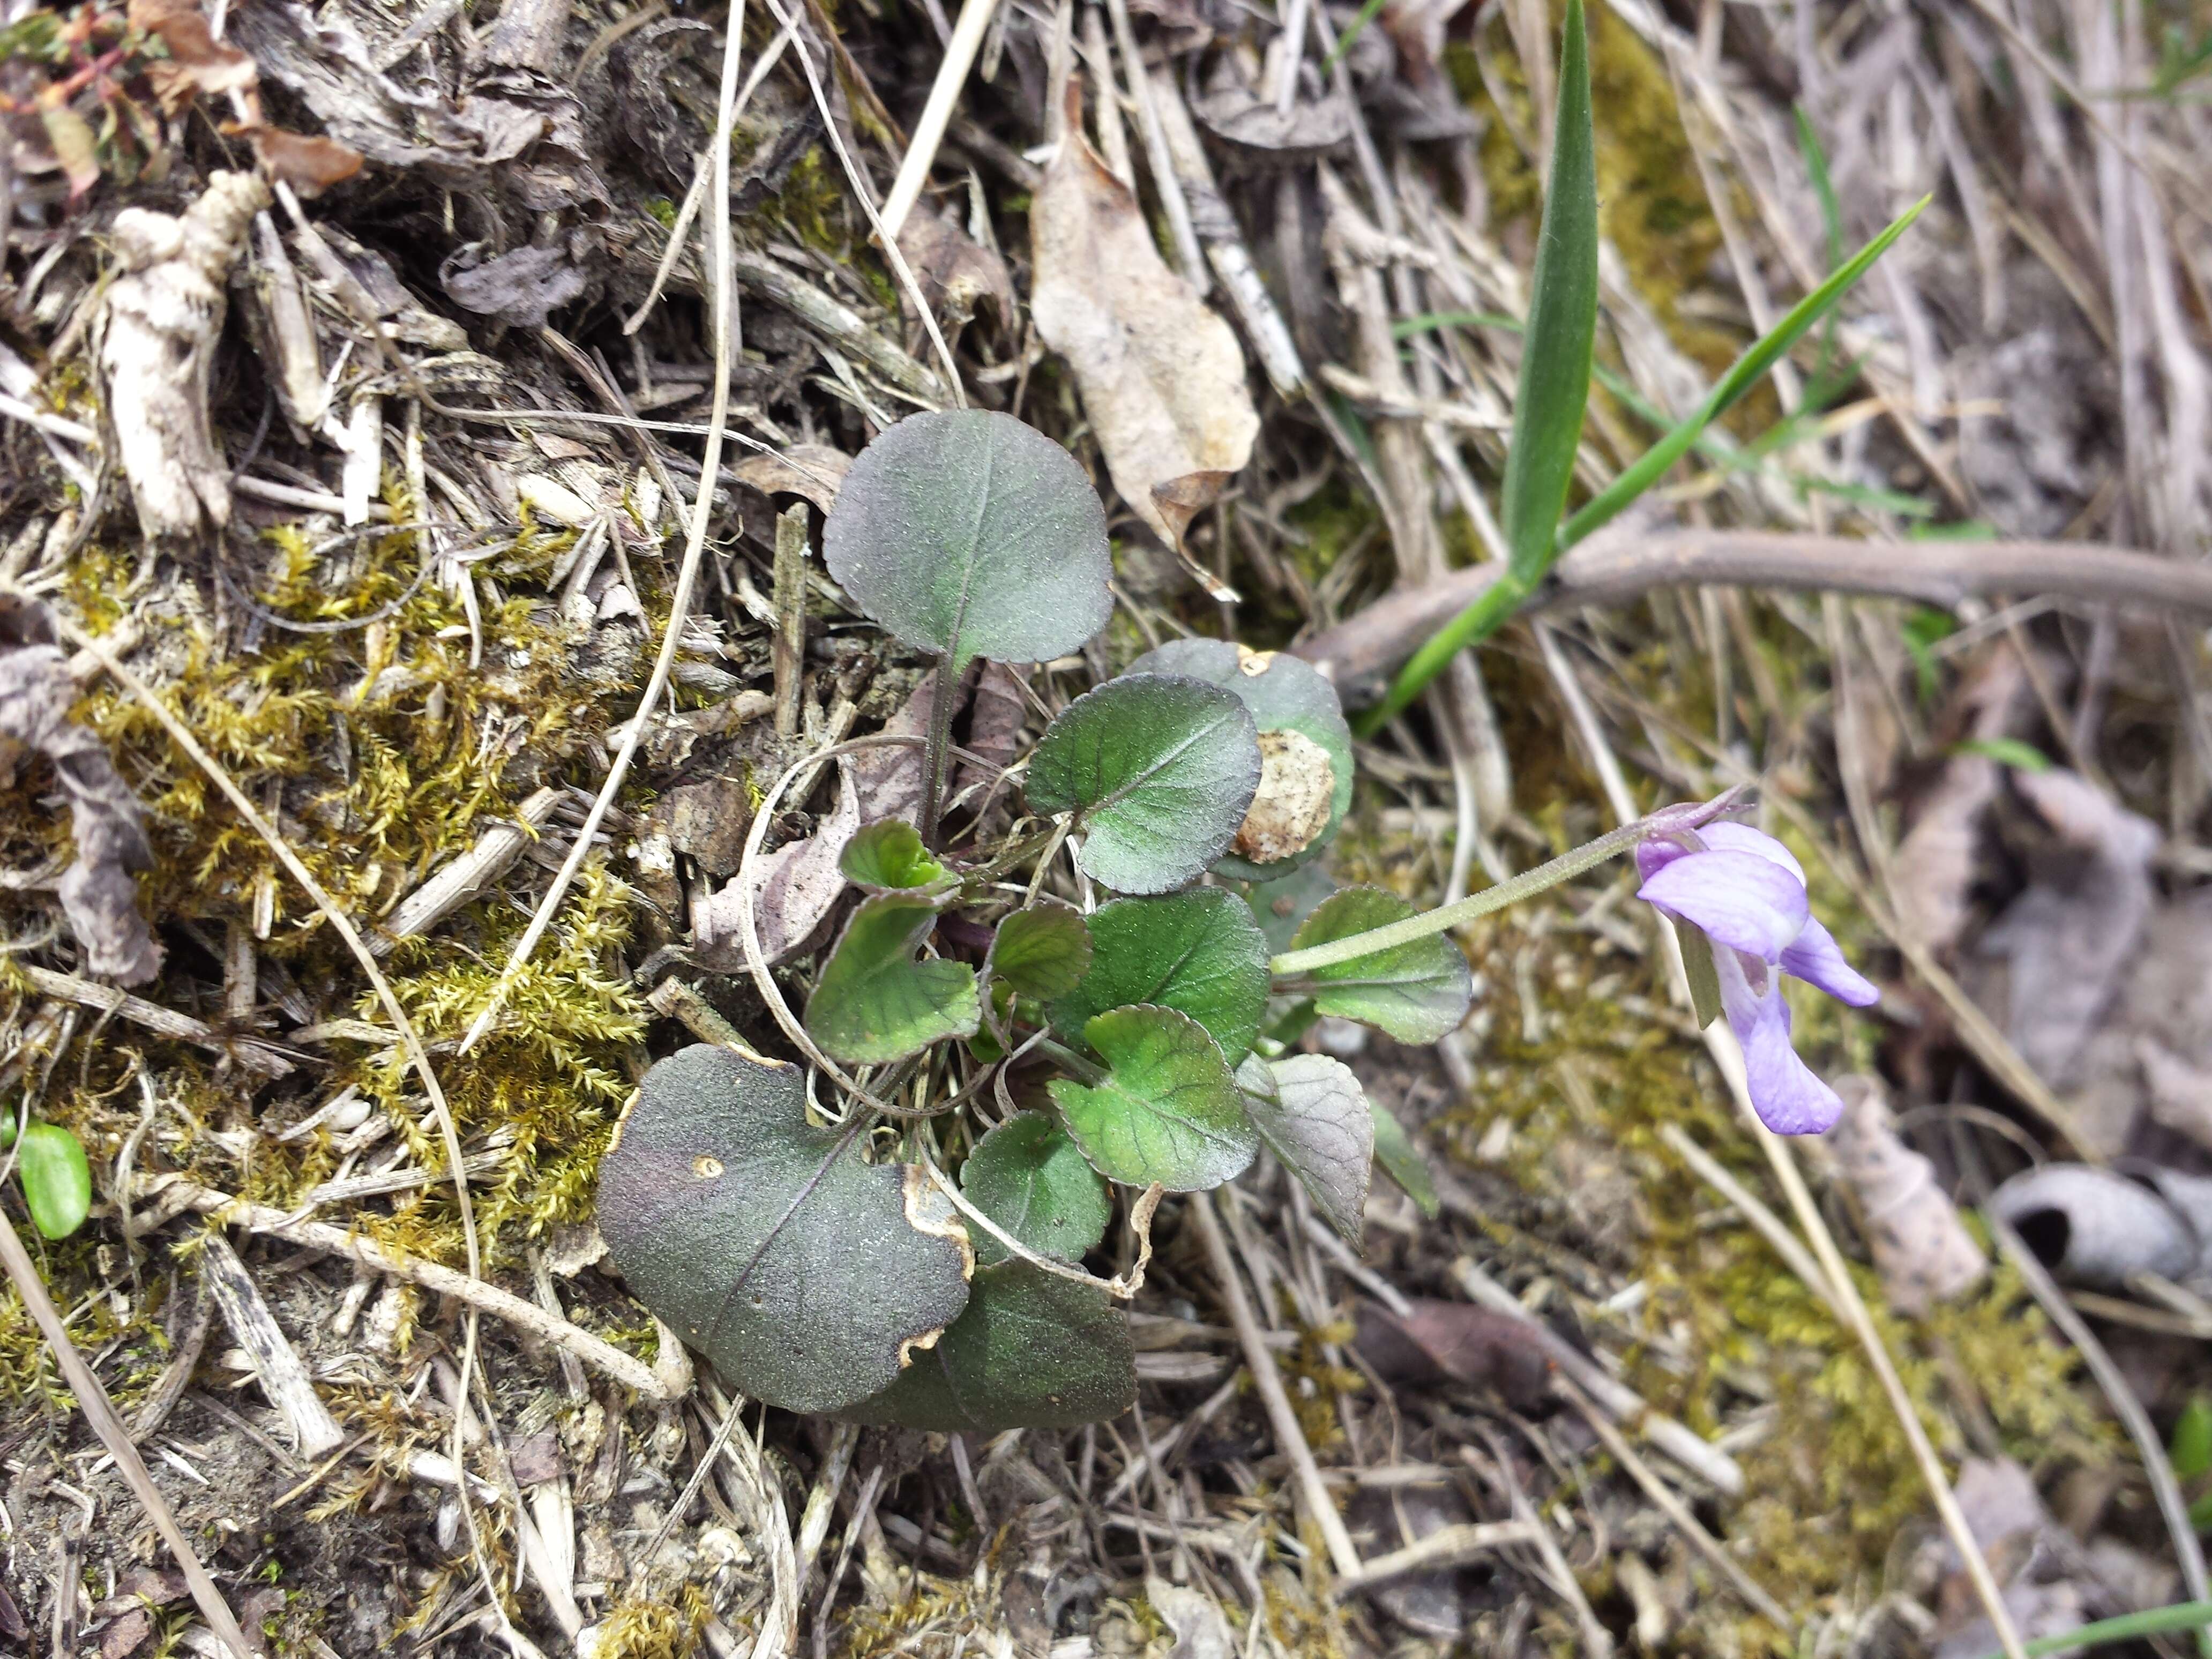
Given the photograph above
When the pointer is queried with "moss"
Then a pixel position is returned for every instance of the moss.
(656, 1630)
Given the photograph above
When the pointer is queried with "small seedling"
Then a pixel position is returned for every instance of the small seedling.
(56, 1181)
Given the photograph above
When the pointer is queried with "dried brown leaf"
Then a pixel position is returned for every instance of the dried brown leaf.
(1936, 861)
(1920, 1247)
(309, 163)
(1436, 1341)
(810, 472)
(198, 61)
(1298, 784)
(97, 891)
(1161, 375)
(1239, 116)
(956, 273)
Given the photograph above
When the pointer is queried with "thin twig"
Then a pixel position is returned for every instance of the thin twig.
(944, 93)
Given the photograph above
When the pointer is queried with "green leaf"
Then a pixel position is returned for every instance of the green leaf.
(56, 1180)
(971, 535)
(1314, 1116)
(2006, 752)
(1416, 991)
(2191, 1451)
(1027, 1176)
(1697, 968)
(1042, 950)
(1159, 771)
(2128, 1627)
(1285, 695)
(1402, 1162)
(807, 1276)
(889, 857)
(1167, 1111)
(1282, 904)
(1033, 1350)
(875, 1002)
(1199, 952)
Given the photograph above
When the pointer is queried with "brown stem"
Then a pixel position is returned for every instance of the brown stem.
(1618, 565)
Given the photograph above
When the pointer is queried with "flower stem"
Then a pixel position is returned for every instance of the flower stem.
(1528, 885)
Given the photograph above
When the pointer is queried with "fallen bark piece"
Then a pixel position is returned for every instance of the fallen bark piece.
(1162, 376)
(1920, 1247)
(277, 1364)
(164, 313)
(98, 891)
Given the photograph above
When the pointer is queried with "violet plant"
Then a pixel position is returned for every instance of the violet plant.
(896, 1233)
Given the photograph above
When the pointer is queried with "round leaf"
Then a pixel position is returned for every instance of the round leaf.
(889, 857)
(1043, 950)
(1313, 1115)
(1034, 1350)
(1028, 1177)
(971, 535)
(1159, 770)
(56, 1180)
(808, 1277)
(1416, 991)
(875, 1002)
(1199, 952)
(1286, 695)
(1167, 1111)
(1283, 904)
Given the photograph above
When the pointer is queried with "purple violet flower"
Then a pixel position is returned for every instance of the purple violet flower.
(1746, 894)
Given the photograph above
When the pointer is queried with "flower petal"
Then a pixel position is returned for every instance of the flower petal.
(1789, 1099)
(1723, 837)
(1740, 900)
(1816, 959)
(1655, 854)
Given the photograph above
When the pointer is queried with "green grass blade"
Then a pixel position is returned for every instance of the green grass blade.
(2185, 1615)
(1555, 376)
(1755, 363)
(1367, 15)
(1555, 356)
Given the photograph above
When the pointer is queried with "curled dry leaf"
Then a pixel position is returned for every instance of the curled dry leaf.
(520, 288)
(164, 312)
(98, 893)
(1237, 115)
(956, 273)
(1920, 1247)
(1434, 1341)
(1161, 375)
(810, 472)
(2096, 1226)
(309, 163)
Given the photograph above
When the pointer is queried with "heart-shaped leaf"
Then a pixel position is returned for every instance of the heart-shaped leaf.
(1042, 951)
(807, 1276)
(1027, 1176)
(1305, 787)
(56, 1180)
(1401, 1160)
(889, 857)
(1168, 1111)
(1159, 771)
(1313, 1116)
(875, 1002)
(1282, 905)
(1033, 1350)
(1200, 952)
(1416, 991)
(968, 534)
